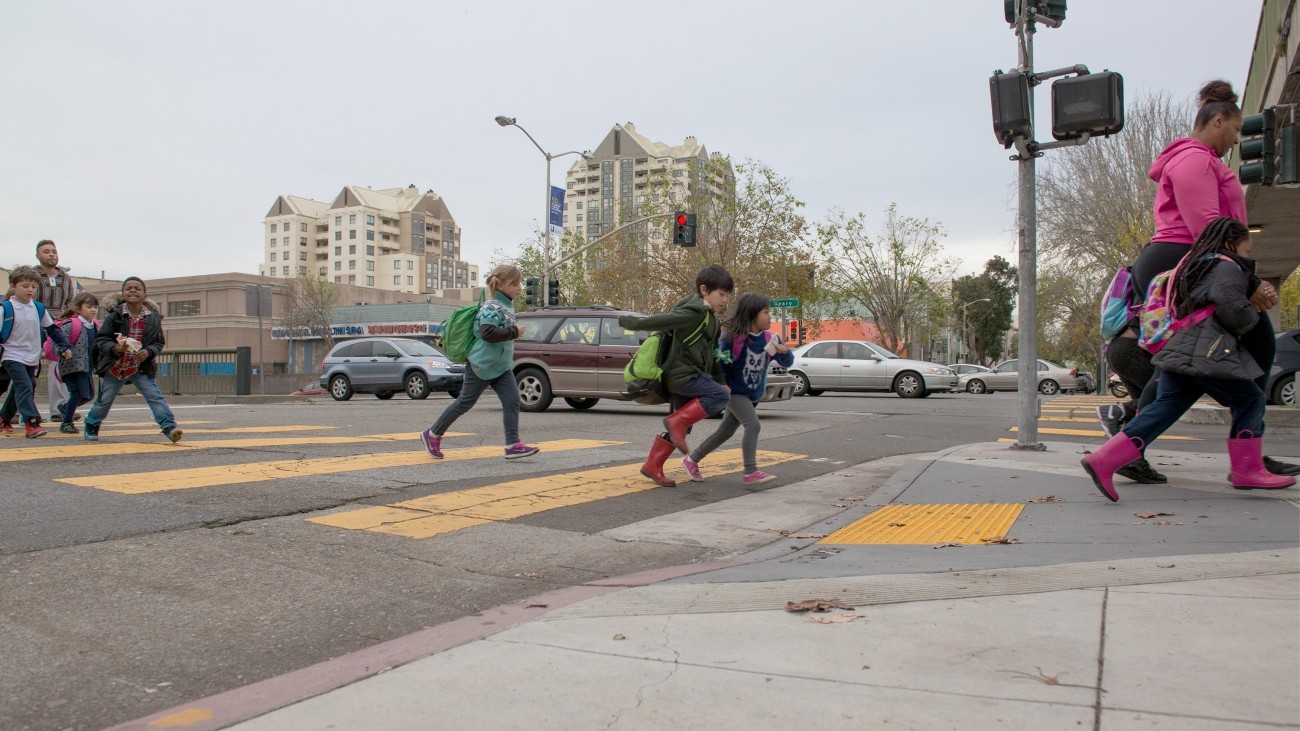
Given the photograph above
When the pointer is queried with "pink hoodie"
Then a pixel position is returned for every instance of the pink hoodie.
(1196, 187)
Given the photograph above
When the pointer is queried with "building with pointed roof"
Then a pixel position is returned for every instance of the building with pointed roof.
(396, 239)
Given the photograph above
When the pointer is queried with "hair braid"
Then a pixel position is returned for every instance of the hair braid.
(1221, 233)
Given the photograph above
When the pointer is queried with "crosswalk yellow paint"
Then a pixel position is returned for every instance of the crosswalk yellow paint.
(138, 483)
(435, 515)
(1098, 433)
(101, 448)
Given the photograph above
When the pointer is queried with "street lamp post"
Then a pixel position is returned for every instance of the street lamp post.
(505, 121)
(964, 334)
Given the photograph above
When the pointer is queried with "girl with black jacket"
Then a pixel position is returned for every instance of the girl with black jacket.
(1204, 359)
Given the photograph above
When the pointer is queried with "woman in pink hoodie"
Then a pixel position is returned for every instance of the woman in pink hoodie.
(1196, 187)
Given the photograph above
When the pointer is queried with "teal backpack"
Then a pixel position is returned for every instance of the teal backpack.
(458, 331)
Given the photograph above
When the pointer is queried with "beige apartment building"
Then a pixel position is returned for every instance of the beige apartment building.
(627, 172)
(396, 239)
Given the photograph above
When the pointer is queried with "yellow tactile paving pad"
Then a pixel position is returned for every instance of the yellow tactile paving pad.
(446, 512)
(930, 524)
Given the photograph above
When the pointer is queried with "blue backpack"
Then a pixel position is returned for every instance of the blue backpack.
(8, 324)
(1118, 305)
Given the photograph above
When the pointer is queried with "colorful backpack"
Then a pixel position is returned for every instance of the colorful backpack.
(1159, 310)
(1117, 305)
(458, 331)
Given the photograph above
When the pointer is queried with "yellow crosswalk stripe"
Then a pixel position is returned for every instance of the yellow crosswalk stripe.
(138, 483)
(435, 515)
(99, 449)
(1096, 433)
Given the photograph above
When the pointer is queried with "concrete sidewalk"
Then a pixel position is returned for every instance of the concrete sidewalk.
(1094, 616)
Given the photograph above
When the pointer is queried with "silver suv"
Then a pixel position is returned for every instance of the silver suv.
(385, 366)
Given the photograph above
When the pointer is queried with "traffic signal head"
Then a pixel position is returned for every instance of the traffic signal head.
(684, 228)
(552, 292)
(530, 291)
(1009, 93)
(794, 330)
(1091, 103)
(1258, 148)
(1053, 10)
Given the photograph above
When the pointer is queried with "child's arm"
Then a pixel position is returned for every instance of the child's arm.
(61, 344)
(667, 321)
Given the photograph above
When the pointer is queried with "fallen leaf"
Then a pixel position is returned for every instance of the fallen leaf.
(999, 539)
(948, 545)
(531, 575)
(854, 498)
(619, 637)
(837, 619)
(816, 605)
(1151, 514)
(537, 606)
(1165, 565)
(896, 525)
(1047, 499)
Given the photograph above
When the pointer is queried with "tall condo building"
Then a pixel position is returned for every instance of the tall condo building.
(629, 171)
(396, 239)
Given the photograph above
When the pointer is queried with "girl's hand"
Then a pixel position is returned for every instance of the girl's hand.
(1265, 297)
(520, 328)
(781, 347)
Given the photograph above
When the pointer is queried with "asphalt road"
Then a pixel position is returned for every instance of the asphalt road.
(136, 575)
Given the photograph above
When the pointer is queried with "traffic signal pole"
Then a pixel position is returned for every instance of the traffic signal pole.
(1027, 297)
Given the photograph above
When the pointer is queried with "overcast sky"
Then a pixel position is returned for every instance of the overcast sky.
(150, 138)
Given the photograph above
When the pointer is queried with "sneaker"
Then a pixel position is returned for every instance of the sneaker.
(1142, 472)
(433, 443)
(1278, 467)
(692, 469)
(519, 449)
(56, 417)
(6, 427)
(1111, 417)
(90, 432)
(174, 434)
(68, 428)
(34, 430)
(758, 477)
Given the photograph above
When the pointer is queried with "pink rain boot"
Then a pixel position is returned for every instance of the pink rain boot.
(1120, 450)
(1248, 472)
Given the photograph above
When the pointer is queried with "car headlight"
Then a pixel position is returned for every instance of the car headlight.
(437, 364)
(940, 371)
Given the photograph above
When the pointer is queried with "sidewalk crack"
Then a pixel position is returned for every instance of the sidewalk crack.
(1101, 661)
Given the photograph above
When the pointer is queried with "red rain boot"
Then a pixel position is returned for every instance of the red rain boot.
(1248, 472)
(680, 420)
(654, 464)
(1114, 454)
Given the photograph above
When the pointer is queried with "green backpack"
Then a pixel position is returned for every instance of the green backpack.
(644, 374)
(458, 331)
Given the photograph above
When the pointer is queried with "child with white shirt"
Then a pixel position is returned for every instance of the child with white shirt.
(20, 335)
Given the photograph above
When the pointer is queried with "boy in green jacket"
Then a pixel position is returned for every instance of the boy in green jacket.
(691, 373)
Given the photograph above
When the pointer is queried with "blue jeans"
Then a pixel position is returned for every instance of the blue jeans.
(713, 396)
(22, 380)
(110, 385)
(507, 389)
(81, 390)
(1176, 393)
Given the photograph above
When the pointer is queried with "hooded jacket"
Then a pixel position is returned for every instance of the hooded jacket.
(1209, 348)
(1195, 187)
(117, 322)
(685, 360)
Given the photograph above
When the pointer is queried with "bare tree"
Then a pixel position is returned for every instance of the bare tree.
(311, 307)
(886, 277)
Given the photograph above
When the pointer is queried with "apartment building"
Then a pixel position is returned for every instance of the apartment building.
(628, 172)
(396, 239)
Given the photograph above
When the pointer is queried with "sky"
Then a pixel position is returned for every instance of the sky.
(150, 138)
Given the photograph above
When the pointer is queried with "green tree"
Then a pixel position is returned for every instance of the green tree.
(988, 321)
(1289, 293)
(886, 277)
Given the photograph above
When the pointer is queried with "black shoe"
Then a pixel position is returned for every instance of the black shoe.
(1141, 472)
(1281, 468)
(68, 428)
(56, 418)
(1111, 417)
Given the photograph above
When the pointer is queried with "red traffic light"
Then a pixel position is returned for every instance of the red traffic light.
(681, 219)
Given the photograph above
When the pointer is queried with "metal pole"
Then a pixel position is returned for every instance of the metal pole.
(1027, 299)
(261, 357)
(546, 224)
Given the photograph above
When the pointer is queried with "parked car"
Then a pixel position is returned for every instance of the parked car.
(1085, 382)
(858, 365)
(1281, 380)
(385, 366)
(965, 369)
(578, 354)
(1052, 378)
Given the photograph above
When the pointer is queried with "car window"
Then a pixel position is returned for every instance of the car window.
(384, 350)
(359, 350)
(418, 348)
(856, 351)
(612, 333)
(880, 351)
(538, 329)
(1042, 366)
(1009, 367)
(577, 331)
(823, 350)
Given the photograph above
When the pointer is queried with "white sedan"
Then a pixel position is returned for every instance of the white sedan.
(1005, 376)
(858, 365)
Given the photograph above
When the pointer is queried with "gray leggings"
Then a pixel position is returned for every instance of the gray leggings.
(740, 410)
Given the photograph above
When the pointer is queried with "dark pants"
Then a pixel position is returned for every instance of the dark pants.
(81, 390)
(507, 389)
(713, 396)
(22, 379)
(1177, 393)
(1133, 366)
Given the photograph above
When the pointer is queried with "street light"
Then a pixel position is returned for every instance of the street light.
(964, 334)
(505, 121)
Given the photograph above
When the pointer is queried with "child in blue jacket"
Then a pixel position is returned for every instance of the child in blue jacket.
(747, 339)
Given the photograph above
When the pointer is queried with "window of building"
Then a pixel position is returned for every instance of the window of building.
(273, 228)
(410, 281)
(397, 280)
(397, 263)
(593, 204)
(285, 271)
(352, 263)
(352, 248)
(428, 283)
(302, 256)
(302, 227)
(338, 251)
(352, 279)
(370, 219)
(370, 250)
(272, 256)
(286, 240)
(183, 308)
(338, 235)
(338, 266)
(410, 264)
(370, 281)
(579, 218)
(352, 218)
(338, 220)
(428, 268)
(321, 272)
(352, 233)
(370, 265)
(446, 284)
(338, 280)
(370, 235)
(302, 241)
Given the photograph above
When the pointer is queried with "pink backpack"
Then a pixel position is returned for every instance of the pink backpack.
(47, 347)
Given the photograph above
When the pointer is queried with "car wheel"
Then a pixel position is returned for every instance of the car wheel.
(340, 388)
(1118, 390)
(815, 392)
(909, 385)
(383, 395)
(534, 390)
(417, 386)
(975, 385)
(580, 404)
(800, 383)
(1049, 387)
(1284, 391)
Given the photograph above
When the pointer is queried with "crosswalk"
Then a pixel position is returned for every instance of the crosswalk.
(1079, 415)
(419, 518)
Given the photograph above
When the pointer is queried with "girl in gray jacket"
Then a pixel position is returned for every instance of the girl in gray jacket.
(1204, 359)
